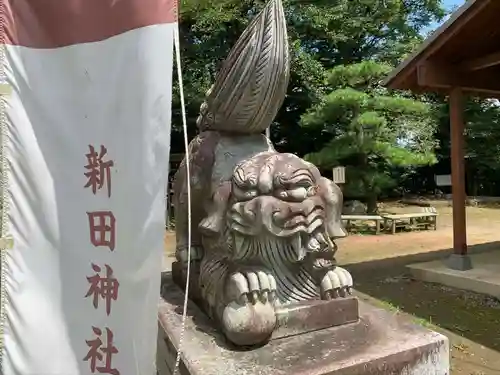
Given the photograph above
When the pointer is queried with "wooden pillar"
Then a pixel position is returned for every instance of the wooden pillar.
(458, 177)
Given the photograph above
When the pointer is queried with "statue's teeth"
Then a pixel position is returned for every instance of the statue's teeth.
(297, 246)
(321, 238)
(313, 244)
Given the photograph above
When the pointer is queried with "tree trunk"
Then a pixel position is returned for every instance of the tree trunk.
(371, 203)
(371, 196)
(475, 190)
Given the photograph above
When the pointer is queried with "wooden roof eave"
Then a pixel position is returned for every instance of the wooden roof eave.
(431, 76)
(417, 73)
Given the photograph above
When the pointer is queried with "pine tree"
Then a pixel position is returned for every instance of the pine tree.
(373, 132)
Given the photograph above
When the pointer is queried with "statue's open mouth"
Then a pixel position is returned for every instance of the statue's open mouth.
(297, 228)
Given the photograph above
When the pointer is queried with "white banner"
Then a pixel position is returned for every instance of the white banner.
(88, 133)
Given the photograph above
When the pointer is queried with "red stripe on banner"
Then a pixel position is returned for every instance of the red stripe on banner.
(59, 23)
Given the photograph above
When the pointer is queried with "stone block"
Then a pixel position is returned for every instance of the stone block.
(380, 343)
(314, 315)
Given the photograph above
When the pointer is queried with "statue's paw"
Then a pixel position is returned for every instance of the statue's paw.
(249, 318)
(181, 253)
(250, 324)
(336, 283)
(252, 287)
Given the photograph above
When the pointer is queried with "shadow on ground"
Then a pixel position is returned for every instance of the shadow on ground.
(470, 315)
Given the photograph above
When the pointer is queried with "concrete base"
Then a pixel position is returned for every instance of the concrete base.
(459, 262)
(381, 343)
(484, 278)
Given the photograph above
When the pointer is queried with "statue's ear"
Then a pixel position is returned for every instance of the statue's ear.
(335, 229)
(332, 196)
(216, 210)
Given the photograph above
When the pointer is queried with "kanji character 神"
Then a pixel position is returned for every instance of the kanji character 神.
(99, 171)
(99, 354)
(105, 287)
(102, 228)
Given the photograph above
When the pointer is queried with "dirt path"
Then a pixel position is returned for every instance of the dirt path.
(483, 226)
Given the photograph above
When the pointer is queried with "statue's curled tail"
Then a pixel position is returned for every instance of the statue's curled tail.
(251, 86)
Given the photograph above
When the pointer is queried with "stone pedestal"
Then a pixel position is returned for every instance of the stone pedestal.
(380, 343)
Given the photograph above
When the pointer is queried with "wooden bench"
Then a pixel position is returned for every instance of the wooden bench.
(418, 220)
(350, 218)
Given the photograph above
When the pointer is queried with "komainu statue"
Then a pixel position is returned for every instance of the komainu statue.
(263, 222)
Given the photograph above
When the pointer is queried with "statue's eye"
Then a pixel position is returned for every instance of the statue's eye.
(305, 183)
(297, 194)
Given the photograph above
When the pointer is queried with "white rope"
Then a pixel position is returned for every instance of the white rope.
(188, 187)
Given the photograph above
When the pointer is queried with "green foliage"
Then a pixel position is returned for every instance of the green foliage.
(335, 103)
(482, 139)
(340, 50)
(373, 131)
(322, 34)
